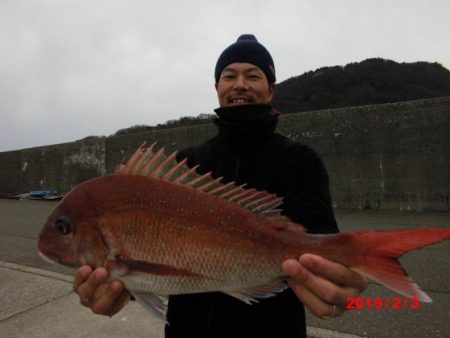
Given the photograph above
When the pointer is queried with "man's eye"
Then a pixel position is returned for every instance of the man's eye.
(254, 77)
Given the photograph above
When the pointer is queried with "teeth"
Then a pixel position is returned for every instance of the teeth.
(239, 101)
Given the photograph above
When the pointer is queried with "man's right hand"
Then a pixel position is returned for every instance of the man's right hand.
(95, 292)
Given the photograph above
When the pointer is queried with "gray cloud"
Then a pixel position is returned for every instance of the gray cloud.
(69, 69)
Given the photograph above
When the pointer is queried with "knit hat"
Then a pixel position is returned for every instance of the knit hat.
(247, 49)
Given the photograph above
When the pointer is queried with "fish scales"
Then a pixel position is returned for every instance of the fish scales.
(206, 238)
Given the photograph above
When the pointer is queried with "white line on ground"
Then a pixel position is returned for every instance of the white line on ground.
(36, 271)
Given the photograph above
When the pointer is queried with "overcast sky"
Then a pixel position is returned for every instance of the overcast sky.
(75, 68)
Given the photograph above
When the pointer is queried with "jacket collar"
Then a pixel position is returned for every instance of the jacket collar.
(246, 123)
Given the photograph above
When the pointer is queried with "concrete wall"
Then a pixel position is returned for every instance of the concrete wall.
(390, 156)
(58, 166)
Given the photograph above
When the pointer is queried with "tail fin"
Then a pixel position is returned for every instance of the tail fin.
(376, 253)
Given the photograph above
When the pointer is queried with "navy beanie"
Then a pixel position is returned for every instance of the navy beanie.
(247, 49)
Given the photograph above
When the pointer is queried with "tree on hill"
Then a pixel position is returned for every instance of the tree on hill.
(181, 122)
(371, 81)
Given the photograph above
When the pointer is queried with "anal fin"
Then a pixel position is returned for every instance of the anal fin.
(155, 304)
(264, 291)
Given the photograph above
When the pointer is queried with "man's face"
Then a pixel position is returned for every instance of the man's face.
(243, 83)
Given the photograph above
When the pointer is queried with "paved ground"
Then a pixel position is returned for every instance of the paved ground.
(37, 300)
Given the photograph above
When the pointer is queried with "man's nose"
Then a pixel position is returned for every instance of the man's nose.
(241, 82)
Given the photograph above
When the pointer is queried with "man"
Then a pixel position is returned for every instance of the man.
(248, 150)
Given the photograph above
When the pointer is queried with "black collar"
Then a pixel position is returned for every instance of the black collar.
(246, 122)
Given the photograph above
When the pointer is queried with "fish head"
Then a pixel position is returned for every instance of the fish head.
(71, 235)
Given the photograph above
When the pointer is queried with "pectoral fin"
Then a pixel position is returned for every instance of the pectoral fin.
(136, 266)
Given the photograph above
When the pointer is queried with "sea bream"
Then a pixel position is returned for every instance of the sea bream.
(163, 229)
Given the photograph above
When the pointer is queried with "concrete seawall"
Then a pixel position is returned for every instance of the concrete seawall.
(389, 156)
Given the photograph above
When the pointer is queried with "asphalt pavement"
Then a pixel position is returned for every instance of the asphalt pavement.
(38, 301)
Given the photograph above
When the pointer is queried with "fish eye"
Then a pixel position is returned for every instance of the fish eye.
(63, 226)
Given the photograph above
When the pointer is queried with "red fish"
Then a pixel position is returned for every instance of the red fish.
(163, 229)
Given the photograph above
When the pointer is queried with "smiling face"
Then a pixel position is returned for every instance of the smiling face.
(243, 83)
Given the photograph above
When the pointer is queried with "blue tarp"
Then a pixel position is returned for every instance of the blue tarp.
(42, 193)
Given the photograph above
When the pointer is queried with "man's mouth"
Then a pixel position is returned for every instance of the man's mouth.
(240, 100)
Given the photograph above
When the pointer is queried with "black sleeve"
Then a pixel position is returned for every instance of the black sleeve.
(197, 156)
(307, 199)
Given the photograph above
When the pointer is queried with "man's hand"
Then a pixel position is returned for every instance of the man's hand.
(323, 286)
(102, 297)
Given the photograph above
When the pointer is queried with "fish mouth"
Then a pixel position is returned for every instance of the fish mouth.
(47, 258)
(53, 259)
(47, 255)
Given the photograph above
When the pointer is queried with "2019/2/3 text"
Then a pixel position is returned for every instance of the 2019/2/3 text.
(382, 303)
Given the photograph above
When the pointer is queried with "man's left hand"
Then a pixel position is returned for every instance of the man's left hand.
(323, 286)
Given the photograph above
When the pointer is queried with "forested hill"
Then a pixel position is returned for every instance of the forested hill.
(371, 81)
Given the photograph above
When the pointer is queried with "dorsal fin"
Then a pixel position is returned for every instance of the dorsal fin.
(155, 164)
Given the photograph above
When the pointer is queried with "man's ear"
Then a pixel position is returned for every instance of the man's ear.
(216, 85)
(271, 91)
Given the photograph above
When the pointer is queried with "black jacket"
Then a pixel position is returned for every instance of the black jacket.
(267, 161)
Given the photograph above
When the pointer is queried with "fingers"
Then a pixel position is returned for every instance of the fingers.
(89, 286)
(113, 299)
(315, 304)
(334, 272)
(96, 293)
(323, 286)
(119, 303)
(316, 284)
(81, 276)
(316, 293)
